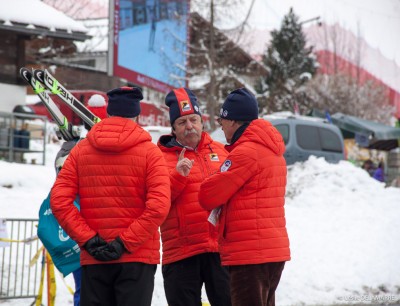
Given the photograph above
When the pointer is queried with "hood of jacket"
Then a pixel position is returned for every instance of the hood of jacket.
(263, 132)
(116, 134)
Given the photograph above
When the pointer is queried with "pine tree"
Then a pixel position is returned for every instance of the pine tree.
(291, 64)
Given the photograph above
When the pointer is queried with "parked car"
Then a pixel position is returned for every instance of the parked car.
(157, 131)
(303, 137)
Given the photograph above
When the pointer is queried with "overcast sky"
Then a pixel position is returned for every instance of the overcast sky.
(377, 21)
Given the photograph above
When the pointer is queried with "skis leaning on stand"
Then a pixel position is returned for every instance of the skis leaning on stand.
(65, 129)
(50, 83)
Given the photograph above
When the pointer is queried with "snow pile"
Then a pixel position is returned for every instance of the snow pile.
(24, 187)
(343, 228)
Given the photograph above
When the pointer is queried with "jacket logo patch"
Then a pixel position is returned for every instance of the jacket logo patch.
(214, 157)
(226, 165)
(185, 106)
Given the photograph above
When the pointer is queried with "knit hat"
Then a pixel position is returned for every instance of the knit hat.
(124, 102)
(98, 106)
(181, 102)
(240, 105)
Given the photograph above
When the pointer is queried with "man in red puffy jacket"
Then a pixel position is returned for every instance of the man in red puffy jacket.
(124, 189)
(250, 186)
(190, 247)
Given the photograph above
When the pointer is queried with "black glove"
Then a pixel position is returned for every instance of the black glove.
(112, 251)
(94, 244)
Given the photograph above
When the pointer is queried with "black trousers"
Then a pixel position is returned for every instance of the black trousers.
(120, 284)
(184, 279)
(255, 285)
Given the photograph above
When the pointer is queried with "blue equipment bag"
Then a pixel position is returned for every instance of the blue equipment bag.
(63, 250)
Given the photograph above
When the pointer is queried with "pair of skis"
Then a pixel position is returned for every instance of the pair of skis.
(42, 81)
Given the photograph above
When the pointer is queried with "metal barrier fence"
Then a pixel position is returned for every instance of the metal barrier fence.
(19, 278)
(16, 132)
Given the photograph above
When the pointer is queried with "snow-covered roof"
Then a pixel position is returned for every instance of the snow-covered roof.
(98, 29)
(347, 46)
(288, 114)
(36, 17)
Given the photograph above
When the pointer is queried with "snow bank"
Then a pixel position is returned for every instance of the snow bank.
(343, 228)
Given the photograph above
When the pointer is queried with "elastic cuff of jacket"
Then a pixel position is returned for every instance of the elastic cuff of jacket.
(122, 243)
(180, 179)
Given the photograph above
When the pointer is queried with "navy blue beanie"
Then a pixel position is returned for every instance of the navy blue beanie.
(240, 105)
(181, 102)
(124, 102)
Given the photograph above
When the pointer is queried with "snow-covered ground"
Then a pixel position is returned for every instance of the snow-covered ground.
(343, 228)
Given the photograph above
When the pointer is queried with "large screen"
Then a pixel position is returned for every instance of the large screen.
(150, 42)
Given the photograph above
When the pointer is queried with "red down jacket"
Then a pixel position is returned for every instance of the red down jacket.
(186, 231)
(251, 184)
(124, 190)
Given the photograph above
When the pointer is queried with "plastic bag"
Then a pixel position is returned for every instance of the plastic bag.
(63, 250)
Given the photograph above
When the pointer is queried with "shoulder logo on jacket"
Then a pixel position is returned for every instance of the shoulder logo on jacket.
(226, 165)
(214, 157)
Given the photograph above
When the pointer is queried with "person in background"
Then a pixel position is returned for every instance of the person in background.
(123, 185)
(379, 173)
(58, 163)
(190, 247)
(98, 106)
(368, 166)
(250, 187)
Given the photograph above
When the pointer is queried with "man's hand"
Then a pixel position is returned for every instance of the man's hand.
(184, 164)
(112, 251)
(93, 245)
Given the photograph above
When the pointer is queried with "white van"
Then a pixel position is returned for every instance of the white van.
(157, 131)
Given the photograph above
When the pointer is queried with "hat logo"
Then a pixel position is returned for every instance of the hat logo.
(224, 113)
(196, 108)
(185, 106)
